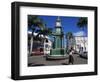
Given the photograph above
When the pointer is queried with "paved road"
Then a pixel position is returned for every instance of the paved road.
(41, 61)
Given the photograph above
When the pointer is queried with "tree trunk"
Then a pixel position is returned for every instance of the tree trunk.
(31, 44)
(67, 47)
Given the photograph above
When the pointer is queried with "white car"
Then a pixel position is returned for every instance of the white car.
(83, 54)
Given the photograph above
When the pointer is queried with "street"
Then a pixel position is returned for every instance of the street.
(41, 61)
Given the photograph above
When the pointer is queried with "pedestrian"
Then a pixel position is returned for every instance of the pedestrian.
(71, 59)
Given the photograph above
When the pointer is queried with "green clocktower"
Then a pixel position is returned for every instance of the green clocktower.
(58, 51)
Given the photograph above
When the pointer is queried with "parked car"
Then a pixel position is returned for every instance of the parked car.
(83, 54)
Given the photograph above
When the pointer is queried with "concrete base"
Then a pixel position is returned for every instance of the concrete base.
(55, 57)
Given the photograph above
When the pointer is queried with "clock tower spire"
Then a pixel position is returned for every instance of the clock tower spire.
(58, 22)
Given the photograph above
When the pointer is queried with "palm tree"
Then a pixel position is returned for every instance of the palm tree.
(82, 24)
(69, 37)
(33, 22)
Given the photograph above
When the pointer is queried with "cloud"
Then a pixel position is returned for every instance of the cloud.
(79, 33)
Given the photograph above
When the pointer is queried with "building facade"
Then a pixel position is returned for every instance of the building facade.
(39, 46)
(81, 43)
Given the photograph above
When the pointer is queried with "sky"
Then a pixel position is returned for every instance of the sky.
(69, 24)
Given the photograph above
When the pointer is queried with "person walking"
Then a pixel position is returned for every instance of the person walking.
(71, 59)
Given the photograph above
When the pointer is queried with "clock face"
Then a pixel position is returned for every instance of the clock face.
(58, 24)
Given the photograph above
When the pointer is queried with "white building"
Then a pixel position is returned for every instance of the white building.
(81, 43)
(46, 45)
